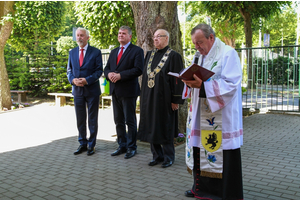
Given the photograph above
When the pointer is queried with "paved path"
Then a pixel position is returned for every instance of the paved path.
(37, 161)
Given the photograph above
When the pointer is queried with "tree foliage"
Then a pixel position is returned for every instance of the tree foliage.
(280, 27)
(70, 19)
(36, 20)
(103, 19)
(64, 44)
(230, 33)
(247, 12)
(39, 71)
(36, 24)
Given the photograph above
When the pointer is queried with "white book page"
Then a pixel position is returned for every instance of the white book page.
(174, 74)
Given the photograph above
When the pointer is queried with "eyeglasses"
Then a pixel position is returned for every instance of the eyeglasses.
(158, 36)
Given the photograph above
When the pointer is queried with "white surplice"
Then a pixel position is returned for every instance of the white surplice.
(223, 94)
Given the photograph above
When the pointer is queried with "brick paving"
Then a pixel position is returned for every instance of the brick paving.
(270, 155)
(37, 161)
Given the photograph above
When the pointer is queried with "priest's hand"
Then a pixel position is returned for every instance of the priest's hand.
(174, 106)
(194, 83)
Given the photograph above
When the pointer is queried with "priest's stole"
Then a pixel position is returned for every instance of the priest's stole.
(211, 150)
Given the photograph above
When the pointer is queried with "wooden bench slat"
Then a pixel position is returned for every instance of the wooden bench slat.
(60, 98)
(61, 94)
(21, 94)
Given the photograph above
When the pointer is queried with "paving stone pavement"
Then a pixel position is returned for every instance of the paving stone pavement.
(37, 161)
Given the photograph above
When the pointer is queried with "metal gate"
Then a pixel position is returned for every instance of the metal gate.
(271, 78)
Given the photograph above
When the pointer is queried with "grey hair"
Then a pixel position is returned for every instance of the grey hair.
(206, 29)
(126, 28)
(83, 29)
(166, 32)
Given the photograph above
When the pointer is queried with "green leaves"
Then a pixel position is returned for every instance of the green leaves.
(103, 19)
(38, 71)
(231, 33)
(8, 17)
(64, 44)
(281, 26)
(36, 20)
(247, 12)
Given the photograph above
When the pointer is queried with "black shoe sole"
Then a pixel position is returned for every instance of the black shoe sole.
(127, 157)
(189, 194)
(79, 152)
(152, 163)
(167, 165)
(119, 153)
(89, 154)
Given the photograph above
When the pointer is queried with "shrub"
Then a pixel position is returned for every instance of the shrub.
(65, 44)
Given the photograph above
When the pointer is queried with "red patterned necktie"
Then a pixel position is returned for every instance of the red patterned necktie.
(81, 57)
(120, 55)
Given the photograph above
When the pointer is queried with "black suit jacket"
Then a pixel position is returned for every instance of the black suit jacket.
(130, 68)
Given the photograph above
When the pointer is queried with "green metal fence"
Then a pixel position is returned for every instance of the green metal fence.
(41, 70)
(271, 77)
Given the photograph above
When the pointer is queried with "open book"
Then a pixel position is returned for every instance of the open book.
(187, 73)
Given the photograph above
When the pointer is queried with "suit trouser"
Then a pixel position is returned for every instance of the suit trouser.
(124, 114)
(84, 105)
(164, 151)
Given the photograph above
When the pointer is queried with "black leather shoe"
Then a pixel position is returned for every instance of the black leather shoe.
(189, 193)
(80, 150)
(90, 151)
(119, 151)
(167, 164)
(130, 153)
(155, 162)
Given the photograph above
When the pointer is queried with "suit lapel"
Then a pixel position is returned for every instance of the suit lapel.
(76, 56)
(87, 55)
(116, 53)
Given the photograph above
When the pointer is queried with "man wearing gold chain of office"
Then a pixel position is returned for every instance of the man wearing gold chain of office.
(160, 99)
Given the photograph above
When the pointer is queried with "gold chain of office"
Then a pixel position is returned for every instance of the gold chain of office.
(152, 74)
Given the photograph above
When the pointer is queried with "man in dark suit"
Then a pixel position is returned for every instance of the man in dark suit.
(124, 66)
(84, 70)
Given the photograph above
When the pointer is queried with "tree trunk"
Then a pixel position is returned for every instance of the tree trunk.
(150, 16)
(248, 34)
(6, 7)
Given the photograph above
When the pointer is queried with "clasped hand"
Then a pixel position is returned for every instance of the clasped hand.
(114, 77)
(80, 82)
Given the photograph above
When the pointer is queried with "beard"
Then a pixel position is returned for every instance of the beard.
(80, 43)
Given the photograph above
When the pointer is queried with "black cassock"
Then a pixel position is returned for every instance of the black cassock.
(158, 122)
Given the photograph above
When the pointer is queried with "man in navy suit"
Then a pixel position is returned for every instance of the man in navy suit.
(84, 70)
(124, 66)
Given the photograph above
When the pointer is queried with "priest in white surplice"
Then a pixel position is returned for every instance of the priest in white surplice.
(214, 125)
